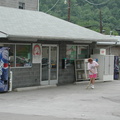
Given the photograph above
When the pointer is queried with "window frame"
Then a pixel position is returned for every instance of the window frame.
(21, 5)
(76, 45)
(15, 44)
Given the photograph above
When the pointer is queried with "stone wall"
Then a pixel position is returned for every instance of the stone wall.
(25, 77)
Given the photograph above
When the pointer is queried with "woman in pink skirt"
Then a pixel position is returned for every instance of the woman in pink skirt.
(92, 67)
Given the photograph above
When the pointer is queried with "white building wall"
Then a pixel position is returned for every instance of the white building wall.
(29, 4)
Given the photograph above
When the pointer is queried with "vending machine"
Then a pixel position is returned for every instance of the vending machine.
(4, 59)
(106, 66)
(116, 67)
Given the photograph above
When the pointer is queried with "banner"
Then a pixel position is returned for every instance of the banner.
(36, 53)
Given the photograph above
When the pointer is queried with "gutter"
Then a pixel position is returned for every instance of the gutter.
(36, 38)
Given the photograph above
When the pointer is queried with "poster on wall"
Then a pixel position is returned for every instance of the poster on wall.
(102, 51)
(36, 53)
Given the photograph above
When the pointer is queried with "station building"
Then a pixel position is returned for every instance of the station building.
(42, 48)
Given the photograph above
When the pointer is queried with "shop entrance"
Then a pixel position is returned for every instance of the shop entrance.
(49, 65)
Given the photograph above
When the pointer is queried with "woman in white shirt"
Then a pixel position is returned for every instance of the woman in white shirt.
(92, 67)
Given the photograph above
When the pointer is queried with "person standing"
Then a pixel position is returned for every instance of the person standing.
(92, 67)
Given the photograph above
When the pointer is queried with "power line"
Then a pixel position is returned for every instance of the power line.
(97, 4)
(53, 6)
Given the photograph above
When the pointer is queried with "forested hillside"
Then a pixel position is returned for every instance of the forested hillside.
(87, 13)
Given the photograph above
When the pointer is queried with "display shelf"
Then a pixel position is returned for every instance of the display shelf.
(81, 71)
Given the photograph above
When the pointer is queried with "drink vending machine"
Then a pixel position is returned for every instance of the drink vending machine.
(106, 66)
(4, 61)
(116, 67)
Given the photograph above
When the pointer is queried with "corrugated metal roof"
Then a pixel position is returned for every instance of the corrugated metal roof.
(33, 24)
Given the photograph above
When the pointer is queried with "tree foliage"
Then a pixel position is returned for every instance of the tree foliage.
(86, 14)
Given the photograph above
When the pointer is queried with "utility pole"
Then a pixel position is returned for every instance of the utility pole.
(101, 27)
(69, 5)
(38, 5)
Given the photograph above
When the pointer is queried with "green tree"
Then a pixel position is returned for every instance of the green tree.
(85, 14)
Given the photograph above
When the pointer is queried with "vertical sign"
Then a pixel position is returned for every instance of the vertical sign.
(36, 53)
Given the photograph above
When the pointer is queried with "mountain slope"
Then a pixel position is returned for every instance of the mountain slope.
(87, 13)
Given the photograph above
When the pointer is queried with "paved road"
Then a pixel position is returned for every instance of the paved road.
(68, 102)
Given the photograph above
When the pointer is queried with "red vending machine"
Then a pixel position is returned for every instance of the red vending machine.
(4, 59)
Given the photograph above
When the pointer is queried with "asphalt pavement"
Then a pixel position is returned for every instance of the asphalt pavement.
(66, 102)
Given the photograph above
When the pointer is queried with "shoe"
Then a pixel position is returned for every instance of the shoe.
(92, 86)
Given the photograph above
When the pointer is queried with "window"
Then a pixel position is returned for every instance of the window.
(19, 55)
(23, 55)
(12, 55)
(71, 52)
(21, 5)
(76, 52)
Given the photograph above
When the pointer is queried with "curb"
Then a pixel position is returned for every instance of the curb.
(33, 88)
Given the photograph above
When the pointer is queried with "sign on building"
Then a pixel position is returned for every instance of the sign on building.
(36, 53)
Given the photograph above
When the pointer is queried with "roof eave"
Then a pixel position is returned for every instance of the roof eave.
(51, 38)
